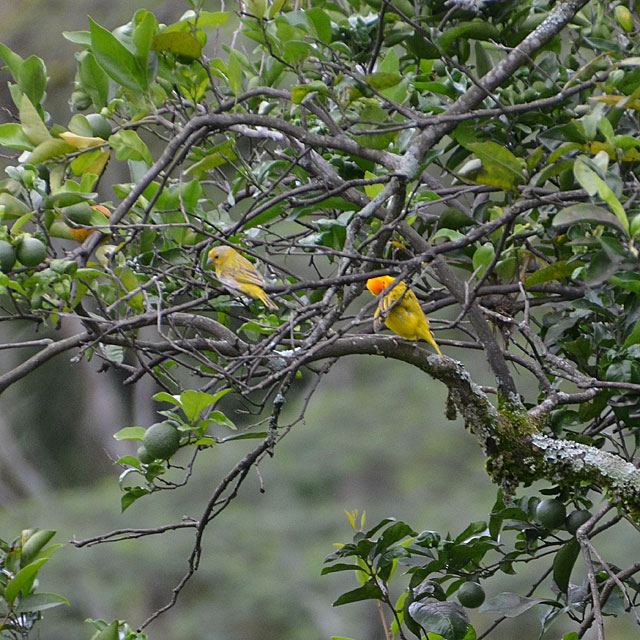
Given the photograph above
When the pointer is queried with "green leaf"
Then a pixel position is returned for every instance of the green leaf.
(163, 396)
(372, 190)
(219, 418)
(556, 271)
(484, 64)
(39, 602)
(115, 59)
(586, 212)
(94, 80)
(633, 337)
(32, 79)
(131, 495)
(381, 80)
(13, 136)
(179, 43)
(203, 19)
(129, 146)
(335, 568)
(83, 38)
(22, 579)
(593, 183)
(563, 564)
(500, 168)
(146, 26)
(393, 534)
(367, 591)
(477, 30)
(482, 257)
(321, 22)
(447, 619)
(369, 114)
(50, 148)
(194, 402)
(300, 91)
(628, 281)
(130, 433)
(34, 544)
(511, 605)
(13, 61)
(212, 18)
(32, 125)
(218, 155)
(235, 73)
(108, 633)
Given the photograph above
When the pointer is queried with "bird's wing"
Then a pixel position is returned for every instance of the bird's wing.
(378, 318)
(248, 275)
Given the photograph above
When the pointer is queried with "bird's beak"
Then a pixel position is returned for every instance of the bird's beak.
(209, 262)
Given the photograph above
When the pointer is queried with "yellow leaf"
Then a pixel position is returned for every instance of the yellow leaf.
(616, 100)
(81, 142)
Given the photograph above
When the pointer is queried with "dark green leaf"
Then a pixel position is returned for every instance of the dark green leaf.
(39, 602)
(448, 619)
(477, 30)
(511, 605)
(335, 568)
(367, 591)
(585, 212)
(563, 564)
(556, 271)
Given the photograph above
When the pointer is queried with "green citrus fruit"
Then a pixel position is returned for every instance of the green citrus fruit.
(79, 213)
(80, 100)
(161, 440)
(100, 127)
(31, 252)
(551, 513)
(471, 595)
(7, 256)
(144, 456)
(576, 519)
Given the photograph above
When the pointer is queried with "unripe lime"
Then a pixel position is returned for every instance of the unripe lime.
(99, 125)
(31, 252)
(471, 595)
(80, 100)
(144, 456)
(551, 513)
(79, 213)
(161, 440)
(7, 256)
(576, 519)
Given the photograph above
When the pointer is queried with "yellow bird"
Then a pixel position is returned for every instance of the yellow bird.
(238, 275)
(401, 311)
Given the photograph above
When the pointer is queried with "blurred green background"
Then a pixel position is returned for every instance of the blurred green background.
(374, 438)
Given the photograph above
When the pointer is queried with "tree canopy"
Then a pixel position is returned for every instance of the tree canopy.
(482, 154)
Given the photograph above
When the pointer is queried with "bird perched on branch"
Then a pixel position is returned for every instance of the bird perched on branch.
(400, 310)
(238, 275)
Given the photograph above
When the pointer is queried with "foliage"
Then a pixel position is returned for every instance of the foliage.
(486, 153)
(20, 562)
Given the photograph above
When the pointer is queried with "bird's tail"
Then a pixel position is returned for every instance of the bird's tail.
(267, 301)
(427, 337)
